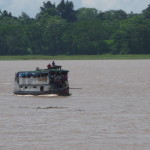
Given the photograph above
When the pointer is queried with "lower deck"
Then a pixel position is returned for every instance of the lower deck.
(42, 90)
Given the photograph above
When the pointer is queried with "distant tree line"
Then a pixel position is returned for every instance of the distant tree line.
(60, 30)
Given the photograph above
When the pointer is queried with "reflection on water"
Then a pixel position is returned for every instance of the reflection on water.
(108, 108)
(24, 95)
(46, 95)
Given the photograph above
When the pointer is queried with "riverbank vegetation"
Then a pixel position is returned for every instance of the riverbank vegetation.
(77, 57)
(61, 30)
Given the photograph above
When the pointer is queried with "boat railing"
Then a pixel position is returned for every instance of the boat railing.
(56, 67)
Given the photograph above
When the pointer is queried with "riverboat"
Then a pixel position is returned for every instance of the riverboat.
(53, 80)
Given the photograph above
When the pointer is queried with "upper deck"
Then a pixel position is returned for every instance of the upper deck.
(39, 76)
(42, 71)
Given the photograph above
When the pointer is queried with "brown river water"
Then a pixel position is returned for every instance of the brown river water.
(111, 111)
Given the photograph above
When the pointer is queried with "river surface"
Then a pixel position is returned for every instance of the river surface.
(111, 111)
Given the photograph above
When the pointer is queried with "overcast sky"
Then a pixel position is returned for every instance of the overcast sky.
(32, 7)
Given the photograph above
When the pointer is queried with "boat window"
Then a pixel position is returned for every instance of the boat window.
(25, 87)
(34, 86)
(42, 88)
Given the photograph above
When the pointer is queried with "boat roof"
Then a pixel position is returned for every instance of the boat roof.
(44, 71)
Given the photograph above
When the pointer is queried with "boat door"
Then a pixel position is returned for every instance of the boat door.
(41, 88)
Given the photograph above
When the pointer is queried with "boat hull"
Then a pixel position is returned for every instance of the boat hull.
(59, 91)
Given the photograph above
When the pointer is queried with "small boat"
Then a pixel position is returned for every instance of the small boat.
(53, 80)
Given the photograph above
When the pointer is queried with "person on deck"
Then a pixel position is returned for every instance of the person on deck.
(53, 63)
(49, 66)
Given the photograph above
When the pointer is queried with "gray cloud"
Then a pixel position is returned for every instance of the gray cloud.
(32, 7)
(127, 5)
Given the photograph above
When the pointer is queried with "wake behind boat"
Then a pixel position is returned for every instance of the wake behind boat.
(53, 80)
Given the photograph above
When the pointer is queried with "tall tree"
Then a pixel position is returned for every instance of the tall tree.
(87, 14)
(66, 11)
(24, 18)
(48, 9)
(146, 12)
(114, 14)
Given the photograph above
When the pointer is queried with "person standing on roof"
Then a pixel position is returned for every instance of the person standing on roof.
(53, 63)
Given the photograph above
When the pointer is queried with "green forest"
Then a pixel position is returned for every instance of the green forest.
(62, 30)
